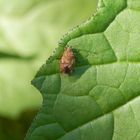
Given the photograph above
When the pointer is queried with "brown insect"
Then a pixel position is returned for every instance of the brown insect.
(67, 61)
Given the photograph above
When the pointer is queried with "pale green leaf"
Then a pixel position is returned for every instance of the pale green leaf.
(29, 30)
(100, 99)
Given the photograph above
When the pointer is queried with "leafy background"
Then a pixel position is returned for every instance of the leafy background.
(29, 31)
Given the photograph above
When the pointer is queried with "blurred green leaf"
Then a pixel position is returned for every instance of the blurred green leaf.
(29, 31)
(15, 129)
(100, 100)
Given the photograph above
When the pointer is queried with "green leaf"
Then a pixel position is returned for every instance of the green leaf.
(100, 99)
(28, 33)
